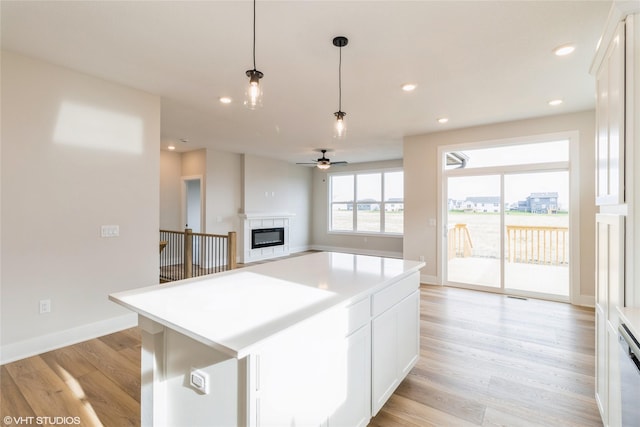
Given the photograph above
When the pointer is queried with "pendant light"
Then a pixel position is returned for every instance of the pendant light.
(253, 94)
(340, 128)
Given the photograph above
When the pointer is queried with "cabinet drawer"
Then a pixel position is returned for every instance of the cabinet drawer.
(359, 314)
(394, 293)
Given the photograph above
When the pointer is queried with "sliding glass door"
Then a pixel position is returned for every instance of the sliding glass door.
(537, 233)
(507, 219)
(473, 230)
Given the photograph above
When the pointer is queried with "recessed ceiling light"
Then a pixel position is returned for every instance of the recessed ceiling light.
(171, 147)
(225, 100)
(409, 87)
(555, 102)
(443, 120)
(564, 50)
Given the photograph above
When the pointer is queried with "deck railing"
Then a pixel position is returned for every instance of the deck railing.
(538, 244)
(524, 244)
(459, 244)
(184, 254)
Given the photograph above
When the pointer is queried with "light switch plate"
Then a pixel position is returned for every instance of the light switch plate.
(110, 231)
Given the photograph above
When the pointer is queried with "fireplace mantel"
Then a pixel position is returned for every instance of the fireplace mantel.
(258, 220)
(263, 215)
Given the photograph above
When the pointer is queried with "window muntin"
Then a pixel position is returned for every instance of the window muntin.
(367, 202)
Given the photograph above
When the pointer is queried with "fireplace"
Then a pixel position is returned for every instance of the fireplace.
(267, 237)
(264, 235)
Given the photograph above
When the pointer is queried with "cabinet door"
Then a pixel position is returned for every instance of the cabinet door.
(602, 386)
(395, 347)
(408, 334)
(355, 411)
(383, 358)
(610, 100)
(299, 374)
(610, 232)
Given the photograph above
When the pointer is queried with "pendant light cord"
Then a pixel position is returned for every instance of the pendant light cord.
(340, 81)
(254, 35)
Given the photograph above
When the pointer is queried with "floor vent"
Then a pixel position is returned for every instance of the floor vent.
(515, 297)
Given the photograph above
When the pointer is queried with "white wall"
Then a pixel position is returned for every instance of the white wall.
(274, 186)
(322, 239)
(78, 152)
(224, 189)
(236, 183)
(170, 191)
(421, 192)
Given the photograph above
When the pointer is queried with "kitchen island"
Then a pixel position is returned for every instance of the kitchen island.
(316, 340)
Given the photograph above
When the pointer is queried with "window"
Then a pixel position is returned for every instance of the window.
(520, 154)
(367, 202)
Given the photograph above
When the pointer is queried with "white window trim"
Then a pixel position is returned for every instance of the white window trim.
(354, 232)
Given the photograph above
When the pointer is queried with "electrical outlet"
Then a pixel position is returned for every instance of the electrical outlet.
(45, 306)
(199, 380)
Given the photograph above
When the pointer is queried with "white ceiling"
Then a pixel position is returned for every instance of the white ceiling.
(476, 62)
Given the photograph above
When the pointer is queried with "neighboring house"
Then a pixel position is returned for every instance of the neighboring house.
(394, 205)
(540, 203)
(490, 204)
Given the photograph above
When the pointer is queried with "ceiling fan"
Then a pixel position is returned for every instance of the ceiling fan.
(323, 162)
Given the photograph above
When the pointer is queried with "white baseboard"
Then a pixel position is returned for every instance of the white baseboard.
(357, 251)
(296, 249)
(38, 345)
(429, 280)
(584, 300)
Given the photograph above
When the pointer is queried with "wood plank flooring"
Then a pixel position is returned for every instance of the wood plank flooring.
(490, 360)
(486, 360)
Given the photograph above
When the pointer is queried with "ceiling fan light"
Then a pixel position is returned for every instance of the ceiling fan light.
(324, 164)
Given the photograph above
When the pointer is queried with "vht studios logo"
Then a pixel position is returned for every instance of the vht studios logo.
(9, 420)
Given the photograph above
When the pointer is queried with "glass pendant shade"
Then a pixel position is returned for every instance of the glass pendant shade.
(253, 93)
(340, 128)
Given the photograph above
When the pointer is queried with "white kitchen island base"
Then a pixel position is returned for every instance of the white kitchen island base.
(317, 340)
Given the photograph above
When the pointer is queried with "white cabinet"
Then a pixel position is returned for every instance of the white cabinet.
(616, 66)
(317, 373)
(395, 340)
(355, 410)
(610, 232)
(610, 97)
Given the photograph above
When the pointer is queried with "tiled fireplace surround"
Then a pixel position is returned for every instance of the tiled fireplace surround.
(252, 221)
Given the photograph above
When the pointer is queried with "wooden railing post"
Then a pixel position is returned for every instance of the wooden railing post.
(231, 250)
(188, 253)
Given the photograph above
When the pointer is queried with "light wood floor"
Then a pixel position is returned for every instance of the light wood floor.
(486, 360)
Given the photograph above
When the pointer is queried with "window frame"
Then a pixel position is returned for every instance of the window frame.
(354, 202)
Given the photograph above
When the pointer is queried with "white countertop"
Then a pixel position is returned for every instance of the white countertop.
(234, 310)
(631, 318)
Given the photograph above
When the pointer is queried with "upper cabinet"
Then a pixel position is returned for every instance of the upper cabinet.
(610, 107)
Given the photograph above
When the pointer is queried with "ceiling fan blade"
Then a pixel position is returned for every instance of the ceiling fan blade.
(339, 163)
(313, 163)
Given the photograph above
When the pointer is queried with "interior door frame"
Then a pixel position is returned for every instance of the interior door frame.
(184, 191)
(574, 199)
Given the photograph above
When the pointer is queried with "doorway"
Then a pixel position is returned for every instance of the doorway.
(193, 212)
(192, 203)
(507, 215)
